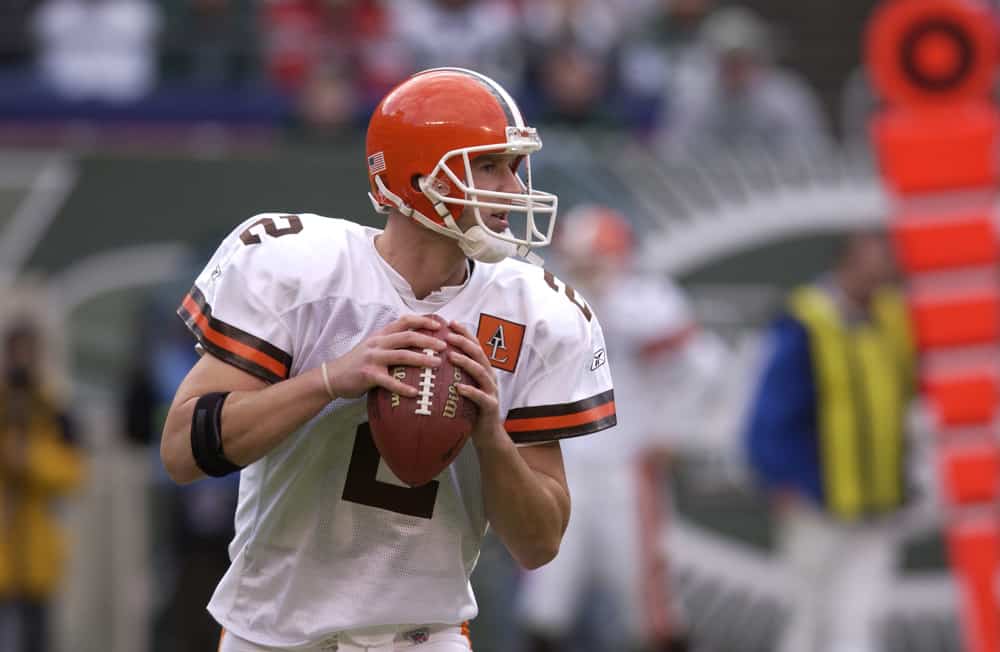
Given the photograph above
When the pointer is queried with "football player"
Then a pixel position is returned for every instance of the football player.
(298, 316)
(614, 542)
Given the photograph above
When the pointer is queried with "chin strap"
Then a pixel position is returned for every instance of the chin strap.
(476, 242)
(479, 245)
(379, 208)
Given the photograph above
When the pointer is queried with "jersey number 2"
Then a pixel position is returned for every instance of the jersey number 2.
(250, 238)
(570, 293)
(364, 488)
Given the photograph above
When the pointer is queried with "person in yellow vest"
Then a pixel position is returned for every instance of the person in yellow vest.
(37, 465)
(825, 437)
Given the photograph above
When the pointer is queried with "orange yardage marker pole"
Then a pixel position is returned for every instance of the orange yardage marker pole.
(934, 64)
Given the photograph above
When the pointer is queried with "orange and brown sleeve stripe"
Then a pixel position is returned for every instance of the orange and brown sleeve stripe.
(466, 634)
(668, 343)
(550, 422)
(232, 345)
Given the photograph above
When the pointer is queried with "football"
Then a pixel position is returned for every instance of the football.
(419, 437)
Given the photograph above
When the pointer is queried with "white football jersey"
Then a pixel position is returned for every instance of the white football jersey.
(650, 328)
(327, 539)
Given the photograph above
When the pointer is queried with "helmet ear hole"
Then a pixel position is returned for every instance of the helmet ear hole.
(437, 184)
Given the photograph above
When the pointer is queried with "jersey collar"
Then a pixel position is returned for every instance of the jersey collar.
(432, 301)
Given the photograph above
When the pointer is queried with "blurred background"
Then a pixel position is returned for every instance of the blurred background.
(134, 134)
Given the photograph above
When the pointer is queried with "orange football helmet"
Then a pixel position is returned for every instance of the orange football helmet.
(594, 246)
(421, 141)
(592, 231)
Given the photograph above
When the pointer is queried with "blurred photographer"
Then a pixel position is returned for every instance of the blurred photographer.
(38, 464)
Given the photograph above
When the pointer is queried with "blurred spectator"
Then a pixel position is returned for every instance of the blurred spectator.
(98, 49)
(592, 25)
(826, 438)
(661, 362)
(665, 58)
(304, 37)
(15, 34)
(572, 87)
(478, 34)
(210, 42)
(570, 43)
(748, 103)
(328, 107)
(38, 464)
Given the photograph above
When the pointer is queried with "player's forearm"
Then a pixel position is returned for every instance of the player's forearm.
(528, 510)
(254, 422)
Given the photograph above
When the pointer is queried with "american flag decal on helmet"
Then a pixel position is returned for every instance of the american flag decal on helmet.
(376, 163)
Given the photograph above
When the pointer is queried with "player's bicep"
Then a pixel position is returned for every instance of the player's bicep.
(210, 374)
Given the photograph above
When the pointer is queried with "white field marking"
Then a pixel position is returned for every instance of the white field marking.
(741, 568)
(119, 269)
(31, 219)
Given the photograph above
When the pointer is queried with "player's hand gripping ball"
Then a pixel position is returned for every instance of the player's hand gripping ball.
(419, 437)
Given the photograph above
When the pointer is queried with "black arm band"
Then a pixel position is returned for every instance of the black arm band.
(206, 436)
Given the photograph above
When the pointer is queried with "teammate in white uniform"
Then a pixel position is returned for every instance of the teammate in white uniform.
(300, 315)
(614, 540)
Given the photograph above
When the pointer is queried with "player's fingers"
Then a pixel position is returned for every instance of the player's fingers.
(479, 367)
(487, 403)
(481, 375)
(410, 340)
(411, 322)
(405, 358)
(461, 330)
(395, 385)
(468, 345)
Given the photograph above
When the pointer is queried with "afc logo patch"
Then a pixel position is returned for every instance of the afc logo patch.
(501, 341)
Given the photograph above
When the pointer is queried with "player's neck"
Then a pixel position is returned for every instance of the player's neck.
(427, 260)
